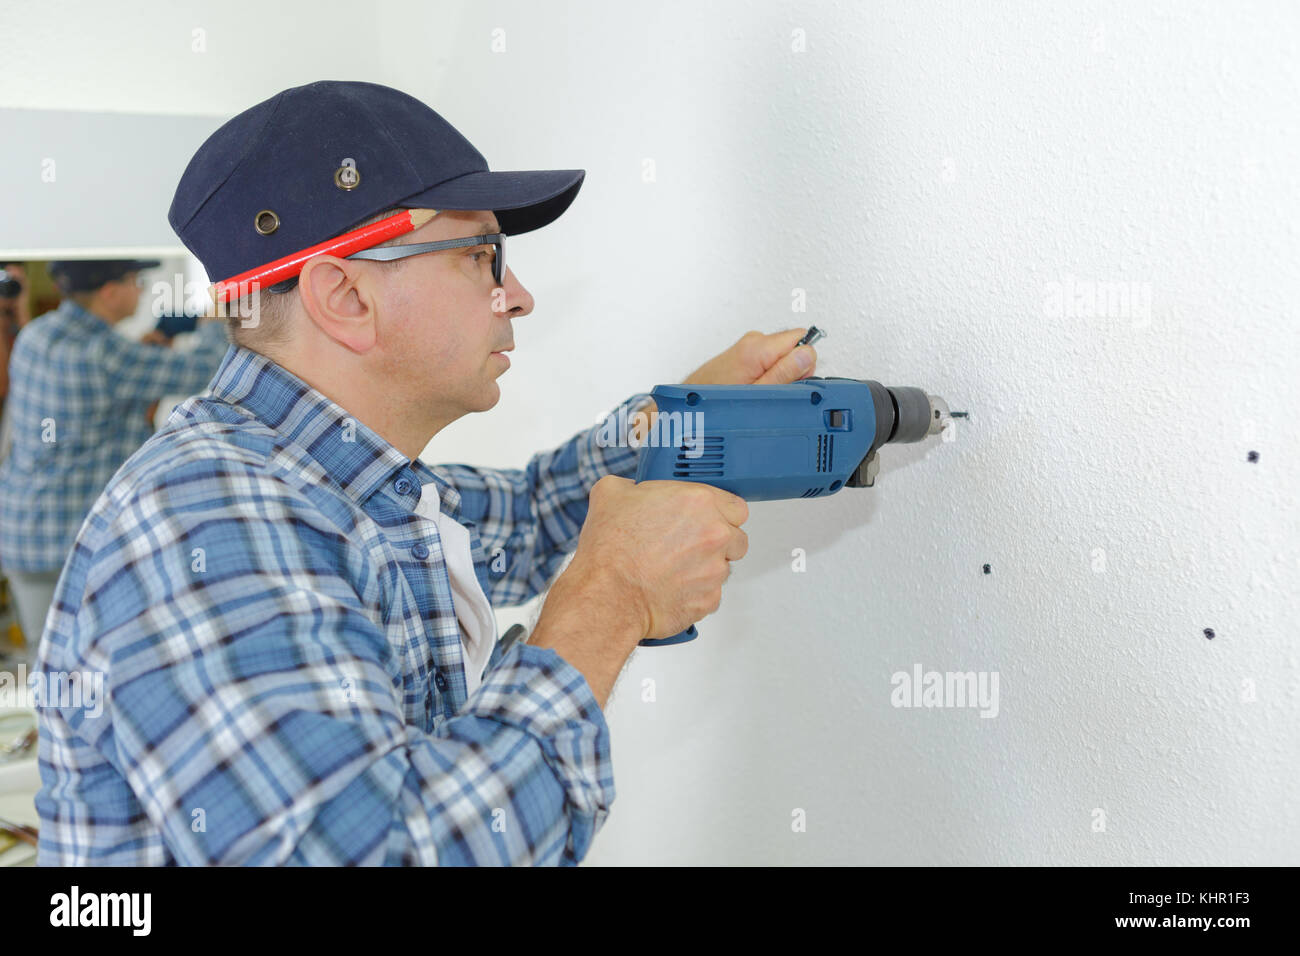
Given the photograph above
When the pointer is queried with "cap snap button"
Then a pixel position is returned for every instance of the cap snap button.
(266, 222)
(347, 176)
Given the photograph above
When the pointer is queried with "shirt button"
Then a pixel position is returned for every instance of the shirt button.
(440, 680)
(420, 551)
(402, 486)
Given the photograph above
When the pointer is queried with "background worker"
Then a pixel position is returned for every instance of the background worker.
(79, 403)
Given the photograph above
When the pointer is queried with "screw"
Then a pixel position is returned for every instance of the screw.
(811, 336)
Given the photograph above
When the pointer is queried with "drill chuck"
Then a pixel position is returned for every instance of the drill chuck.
(905, 414)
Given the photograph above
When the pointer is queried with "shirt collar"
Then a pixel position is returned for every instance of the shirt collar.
(74, 310)
(354, 455)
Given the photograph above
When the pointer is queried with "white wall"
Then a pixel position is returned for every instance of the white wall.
(928, 172)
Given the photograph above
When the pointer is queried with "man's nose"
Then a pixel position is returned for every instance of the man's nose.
(518, 300)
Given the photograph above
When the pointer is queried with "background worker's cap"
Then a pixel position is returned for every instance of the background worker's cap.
(315, 161)
(87, 275)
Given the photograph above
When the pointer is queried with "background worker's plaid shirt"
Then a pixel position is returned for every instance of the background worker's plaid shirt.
(282, 657)
(72, 378)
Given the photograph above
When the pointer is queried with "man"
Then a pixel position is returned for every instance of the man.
(79, 395)
(14, 314)
(293, 610)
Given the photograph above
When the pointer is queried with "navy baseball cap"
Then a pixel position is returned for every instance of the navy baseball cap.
(87, 275)
(314, 161)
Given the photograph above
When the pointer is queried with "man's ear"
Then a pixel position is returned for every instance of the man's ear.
(102, 300)
(338, 302)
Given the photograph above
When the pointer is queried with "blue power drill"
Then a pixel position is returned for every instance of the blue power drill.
(807, 439)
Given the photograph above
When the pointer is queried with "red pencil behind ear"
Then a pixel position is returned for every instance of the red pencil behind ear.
(342, 246)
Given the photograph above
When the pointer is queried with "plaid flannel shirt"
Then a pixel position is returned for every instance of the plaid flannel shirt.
(78, 401)
(282, 655)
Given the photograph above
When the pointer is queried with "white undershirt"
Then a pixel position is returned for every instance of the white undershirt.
(478, 625)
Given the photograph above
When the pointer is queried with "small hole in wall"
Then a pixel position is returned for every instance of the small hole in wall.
(988, 569)
(1252, 456)
(1209, 633)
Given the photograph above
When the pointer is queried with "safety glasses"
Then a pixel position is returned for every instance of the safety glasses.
(391, 253)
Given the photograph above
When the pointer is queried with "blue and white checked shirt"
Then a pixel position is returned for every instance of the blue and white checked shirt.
(79, 396)
(282, 656)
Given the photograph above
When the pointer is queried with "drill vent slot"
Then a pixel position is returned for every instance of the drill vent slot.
(812, 493)
(702, 457)
(825, 452)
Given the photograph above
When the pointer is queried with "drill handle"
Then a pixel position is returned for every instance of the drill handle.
(689, 634)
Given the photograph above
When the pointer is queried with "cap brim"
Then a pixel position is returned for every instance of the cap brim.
(523, 200)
